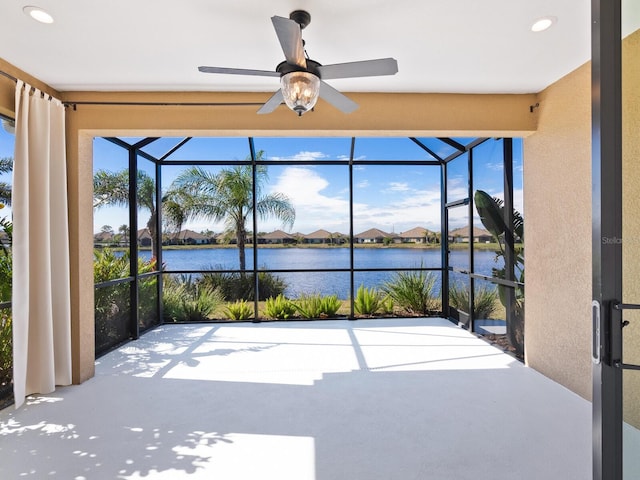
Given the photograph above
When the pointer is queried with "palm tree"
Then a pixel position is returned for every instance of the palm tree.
(228, 197)
(123, 230)
(112, 188)
(6, 166)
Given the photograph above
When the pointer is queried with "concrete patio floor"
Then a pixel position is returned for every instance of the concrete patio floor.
(372, 399)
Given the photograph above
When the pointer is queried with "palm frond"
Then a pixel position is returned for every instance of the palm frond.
(5, 193)
(110, 188)
(6, 165)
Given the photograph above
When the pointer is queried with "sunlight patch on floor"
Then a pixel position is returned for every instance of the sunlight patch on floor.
(421, 348)
(265, 353)
(242, 456)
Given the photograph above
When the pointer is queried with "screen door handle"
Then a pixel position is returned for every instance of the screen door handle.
(596, 332)
(626, 306)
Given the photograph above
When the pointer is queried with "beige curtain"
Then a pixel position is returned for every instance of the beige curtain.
(41, 293)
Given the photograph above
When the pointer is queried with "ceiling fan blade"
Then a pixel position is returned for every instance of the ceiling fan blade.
(290, 37)
(239, 71)
(337, 99)
(365, 68)
(273, 103)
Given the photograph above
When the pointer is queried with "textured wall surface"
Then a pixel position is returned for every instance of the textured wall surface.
(631, 219)
(557, 205)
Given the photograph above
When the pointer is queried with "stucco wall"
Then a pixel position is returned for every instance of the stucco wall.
(557, 212)
(631, 220)
(558, 230)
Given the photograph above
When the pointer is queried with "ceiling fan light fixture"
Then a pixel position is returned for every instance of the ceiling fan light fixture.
(300, 90)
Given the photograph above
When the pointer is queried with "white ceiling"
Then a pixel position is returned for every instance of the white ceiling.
(464, 46)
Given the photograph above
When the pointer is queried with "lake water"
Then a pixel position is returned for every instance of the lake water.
(325, 283)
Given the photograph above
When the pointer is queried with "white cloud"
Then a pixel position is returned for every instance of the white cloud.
(416, 209)
(457, 188)
(303, 155)
(399, 187)
(314, 208)
(363, 184)
(496, 166)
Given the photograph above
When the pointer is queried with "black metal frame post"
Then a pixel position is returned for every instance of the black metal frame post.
(444, 240)
(254, 235)
(606, 86)
(134, 325)
(472, 282)
(509, 240)
(352, 315)
(159, 266)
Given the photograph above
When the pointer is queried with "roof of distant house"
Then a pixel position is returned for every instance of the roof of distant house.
(416, 232)
(186, 234)
(464, 232)
(277, 235)
(319, 234)
(373, 233)
(143, 233)
(103, 236)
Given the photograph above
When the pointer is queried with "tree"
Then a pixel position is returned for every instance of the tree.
(112, 188)
(228, 197)
(123, 230)
(6, 166)
(107, 229)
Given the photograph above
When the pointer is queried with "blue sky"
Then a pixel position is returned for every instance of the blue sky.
(393, 198)
(6, 150)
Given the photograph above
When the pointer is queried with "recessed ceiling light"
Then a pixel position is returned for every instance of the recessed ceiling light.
(542, 24)
(38, 14)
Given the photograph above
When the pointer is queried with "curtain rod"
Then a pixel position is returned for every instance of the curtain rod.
(33, 89)
(74, 105)
(9, 76)
(71, 103)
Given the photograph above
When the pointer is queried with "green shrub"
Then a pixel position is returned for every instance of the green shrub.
(6, 271)
(186, 300)
(6, 350)
(109, 266)
(112, 303)
(484, 300)
(147, 302)
(239, 310)
(330, 305)
(279, 307)
(387, 305)
(241, 286)
(318, 306)
(368, 301)
(413, 291)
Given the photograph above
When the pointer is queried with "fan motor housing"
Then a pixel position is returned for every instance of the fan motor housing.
(312, 67)
(301, 17)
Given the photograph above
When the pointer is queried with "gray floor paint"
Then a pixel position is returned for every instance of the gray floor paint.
(372, 399)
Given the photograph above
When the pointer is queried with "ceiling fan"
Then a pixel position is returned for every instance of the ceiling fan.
(302, 80)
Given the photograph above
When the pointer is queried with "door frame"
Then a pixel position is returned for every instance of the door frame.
(606, 103)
